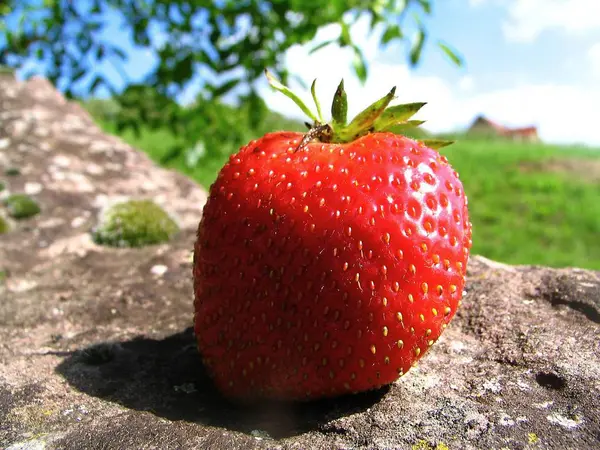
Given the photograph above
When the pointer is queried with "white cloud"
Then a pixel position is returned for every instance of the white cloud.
(594, 58)
(466, 83)
(530, 18)
(563, 113)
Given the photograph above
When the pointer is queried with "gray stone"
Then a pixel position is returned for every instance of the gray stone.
(97, 350)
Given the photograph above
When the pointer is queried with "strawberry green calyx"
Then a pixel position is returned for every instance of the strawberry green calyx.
(339, 107)
(377, 117)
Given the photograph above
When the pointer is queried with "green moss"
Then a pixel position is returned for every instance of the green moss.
(21, 206)
(12, 171)
(134, 223)
(3, 276)
(2, 186)
(3, 225)
(6, 70)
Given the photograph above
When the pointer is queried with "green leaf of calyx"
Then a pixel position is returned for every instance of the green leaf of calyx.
(403, 127)
(436, 144)
(412, 123)
(289, 94)
(397, 115)
(363, 122)
(316, 100)
(339, 107)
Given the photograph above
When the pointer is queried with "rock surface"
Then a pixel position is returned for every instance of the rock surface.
(97, 351)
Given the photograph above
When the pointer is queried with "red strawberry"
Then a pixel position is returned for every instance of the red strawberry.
(330, 262)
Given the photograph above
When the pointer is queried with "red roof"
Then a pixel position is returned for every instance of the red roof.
(501, 129)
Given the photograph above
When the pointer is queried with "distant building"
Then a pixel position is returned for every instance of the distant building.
(483, 126)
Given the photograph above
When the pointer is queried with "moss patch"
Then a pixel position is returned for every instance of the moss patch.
(6, 70)
(3, 225)
(134, 223)
(12, 172)
(21, 206)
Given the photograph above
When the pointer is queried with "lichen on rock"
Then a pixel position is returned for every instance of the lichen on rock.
(134, 223)
(21, 206)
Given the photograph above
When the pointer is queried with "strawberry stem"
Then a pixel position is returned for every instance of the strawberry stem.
(377, 117)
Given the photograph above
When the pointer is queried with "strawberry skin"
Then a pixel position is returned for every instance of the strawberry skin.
(327, 269)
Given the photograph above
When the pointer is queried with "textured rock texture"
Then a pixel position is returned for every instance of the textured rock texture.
(96, 347)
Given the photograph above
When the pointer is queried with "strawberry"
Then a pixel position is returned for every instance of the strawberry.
(328, 262)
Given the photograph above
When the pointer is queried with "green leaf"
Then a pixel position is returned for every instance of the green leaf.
(436, 144)
(345, 38)
(339, 106)
(225, 87)
(426, 5)
(78, 75)
(362, 123)
(96, 83)
(452, 54)
(417, 47)
(379, 6)
(397, 115)
(289, 94)
(320, 46)
(390, 33)
(360, 64)
(316, 100)
(119, 52)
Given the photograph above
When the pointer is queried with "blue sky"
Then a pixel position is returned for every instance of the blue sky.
(527, 62)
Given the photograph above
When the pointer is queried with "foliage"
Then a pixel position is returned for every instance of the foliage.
(134, 223)
(106, 110)
(219, 37)
(227, 43)
(21, 206)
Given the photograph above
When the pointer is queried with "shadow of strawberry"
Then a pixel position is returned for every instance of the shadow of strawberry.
(166, 377)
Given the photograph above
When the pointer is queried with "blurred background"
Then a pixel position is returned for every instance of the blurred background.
(516, 82)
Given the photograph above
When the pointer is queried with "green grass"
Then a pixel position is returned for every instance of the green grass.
(523, 211)
(532, 203)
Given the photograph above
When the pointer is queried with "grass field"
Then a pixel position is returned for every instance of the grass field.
(529, 203)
